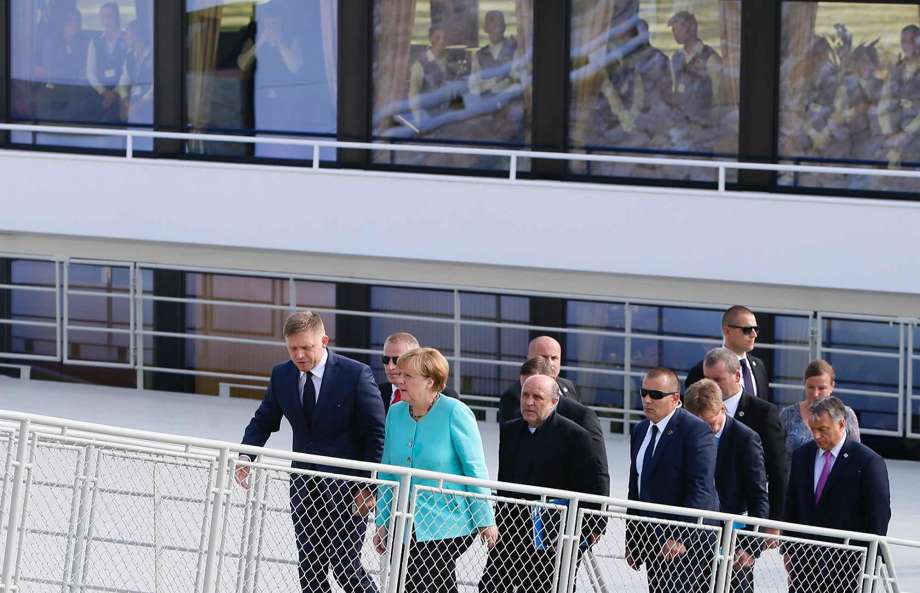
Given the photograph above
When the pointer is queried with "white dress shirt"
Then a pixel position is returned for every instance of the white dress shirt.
(750, 368)
(819, 461)
(317, 371)
(640, 456)
(731, 404)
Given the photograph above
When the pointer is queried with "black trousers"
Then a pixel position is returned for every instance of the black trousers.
(516, 563)
(329, 535)
(432, 565)
(690, 572)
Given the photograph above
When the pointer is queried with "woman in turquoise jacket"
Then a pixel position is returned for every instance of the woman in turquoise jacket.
(431, 431)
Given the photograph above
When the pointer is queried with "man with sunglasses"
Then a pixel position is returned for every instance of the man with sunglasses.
(673, 462)
(739, 332)
(393, 347)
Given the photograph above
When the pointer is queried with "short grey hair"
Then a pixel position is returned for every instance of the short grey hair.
(303, 321)
(724, 355)
(831, 406)
(403, 337)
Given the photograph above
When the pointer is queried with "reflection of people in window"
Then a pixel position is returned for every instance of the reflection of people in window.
(63, 67)
(105, 61)
(863, 89)
(427, 76)
(273, 53)
(137, 79)
(697, 72)
(492, 64)
(900, 105)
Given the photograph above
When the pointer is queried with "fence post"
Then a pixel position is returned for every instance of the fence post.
(220, 491)
(15, 507)
(570, 541)
(82, 527)
(724, 555)
(869, 572)
(397, 545)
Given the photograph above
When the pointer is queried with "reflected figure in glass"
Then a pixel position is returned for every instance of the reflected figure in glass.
(105, 62)
(900, 104)
(137, 80)
(863, 90)
(62, 65)
(429, 97)
(697, 72)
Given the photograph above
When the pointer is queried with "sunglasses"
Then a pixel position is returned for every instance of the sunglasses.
(387, 359)
(655, 394)
(746, 329)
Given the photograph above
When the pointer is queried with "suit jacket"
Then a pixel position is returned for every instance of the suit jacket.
(741, 478)
(386, 392)
(763, 418)
(683, 466)
(446, 440)
(347, 422)
(758, 370)
(509, 406)
(558, 455)
(855, 497)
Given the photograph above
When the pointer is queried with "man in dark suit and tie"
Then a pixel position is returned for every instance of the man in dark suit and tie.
(741, 479)
(550, 351)
(673, 462)
(542, 448)
(722, 366)
(838, 483)
(739, 332)
(393, 347)
(333, 406)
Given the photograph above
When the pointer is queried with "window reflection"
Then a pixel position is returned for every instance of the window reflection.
(452, 72)
(84, 62)
(654, 79)
(849, 93)
(261, 68)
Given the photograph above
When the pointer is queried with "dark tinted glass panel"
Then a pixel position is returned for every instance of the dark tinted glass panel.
(82, 62)
(849, 93)
(861, 335)
(609, 316)
(439, 303)
(261, 68)
(598, 389)
(486, 379)
(452, 72)
(653, 79)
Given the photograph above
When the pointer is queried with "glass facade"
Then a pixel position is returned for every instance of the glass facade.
(655, 79)
(452, 72)
(84, 62)
(848, 94)
(262, 68)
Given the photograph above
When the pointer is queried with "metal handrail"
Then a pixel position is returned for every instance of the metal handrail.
(721, 166)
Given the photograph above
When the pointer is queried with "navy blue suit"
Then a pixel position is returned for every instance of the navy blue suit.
(682, 474)
(741, 481)
(856, 497)
(348, 422)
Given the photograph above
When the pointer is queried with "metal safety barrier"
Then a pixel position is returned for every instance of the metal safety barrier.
(88, 507)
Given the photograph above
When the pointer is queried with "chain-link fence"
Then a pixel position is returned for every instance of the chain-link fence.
(109, 512)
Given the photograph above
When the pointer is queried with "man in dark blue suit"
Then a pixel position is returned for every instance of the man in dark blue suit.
(334, 408)
(838, 483)
(673, 462)
(741, 479)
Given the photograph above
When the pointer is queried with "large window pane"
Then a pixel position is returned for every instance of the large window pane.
(848, 91)
(452, 72)
(655, 78)
(261, 68)
(82, 62)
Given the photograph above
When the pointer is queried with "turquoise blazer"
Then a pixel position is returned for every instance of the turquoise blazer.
(446, 439)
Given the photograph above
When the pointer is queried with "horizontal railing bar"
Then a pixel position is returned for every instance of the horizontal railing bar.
(99, 330)
(28, 323)
(98, 293)
(461, 150)
(872, 353)
(27, 287)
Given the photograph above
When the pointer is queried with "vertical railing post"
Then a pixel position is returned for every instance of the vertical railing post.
(217, 494)
(398, 541)
(724, 556)
(512, 168)
(571, 538)
(458, 346)
(869, 572)
(129, 145)
(251, 521)
(721, 179)
(12, 528)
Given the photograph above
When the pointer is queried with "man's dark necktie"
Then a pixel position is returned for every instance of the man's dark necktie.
(747, 377)
(309, 398)
(647, 462)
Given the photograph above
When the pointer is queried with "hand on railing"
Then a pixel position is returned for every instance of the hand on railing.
(364, 502)
(489, 535)
(743, 559)
(241, 474)
(771, 543)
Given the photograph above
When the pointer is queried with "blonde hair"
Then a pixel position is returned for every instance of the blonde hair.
(703, 396)
(427, 362)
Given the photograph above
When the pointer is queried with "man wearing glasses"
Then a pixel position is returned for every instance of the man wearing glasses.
(739, 332)
(673, 462)
(393, 347)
